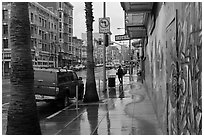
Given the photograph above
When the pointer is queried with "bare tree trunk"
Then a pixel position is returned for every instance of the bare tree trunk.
(22, 113)
(90, 91)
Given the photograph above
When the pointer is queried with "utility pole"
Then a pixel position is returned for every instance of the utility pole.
(104, 51)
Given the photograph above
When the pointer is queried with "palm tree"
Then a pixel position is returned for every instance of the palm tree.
(22, 112)
(90, 90)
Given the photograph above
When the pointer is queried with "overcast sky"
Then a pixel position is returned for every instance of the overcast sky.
(113, 10)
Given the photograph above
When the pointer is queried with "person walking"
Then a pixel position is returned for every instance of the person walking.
(120, 74)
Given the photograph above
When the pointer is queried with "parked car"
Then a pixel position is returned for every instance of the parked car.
(57, 85)
(76, 68)
(81, 66)
(99, 65)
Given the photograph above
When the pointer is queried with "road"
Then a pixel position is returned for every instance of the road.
(44, 109)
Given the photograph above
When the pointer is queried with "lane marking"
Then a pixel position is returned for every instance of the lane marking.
(49, 117)
(56, 113)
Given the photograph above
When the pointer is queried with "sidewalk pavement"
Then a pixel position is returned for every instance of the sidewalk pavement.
(123, 110)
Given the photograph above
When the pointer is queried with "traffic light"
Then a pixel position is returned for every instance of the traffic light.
(106, 40)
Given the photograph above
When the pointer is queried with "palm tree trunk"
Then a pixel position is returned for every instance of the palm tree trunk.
(22, 113)
(90, 90)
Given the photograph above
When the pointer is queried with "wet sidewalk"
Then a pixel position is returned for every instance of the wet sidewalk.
(123, 110)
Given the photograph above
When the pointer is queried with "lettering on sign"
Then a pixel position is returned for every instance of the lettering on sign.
(121, 37)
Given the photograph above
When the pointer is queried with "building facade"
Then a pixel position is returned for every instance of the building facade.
(64, 10)
(44, 36)
(51, 25)
(172, 45)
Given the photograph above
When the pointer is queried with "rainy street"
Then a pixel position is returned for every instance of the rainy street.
(45, 109)
(101, 68)
(116, 113)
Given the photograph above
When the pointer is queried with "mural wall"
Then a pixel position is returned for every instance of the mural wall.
(174, 73)
(189, 68)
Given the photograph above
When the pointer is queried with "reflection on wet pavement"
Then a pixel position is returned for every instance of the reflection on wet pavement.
(126, 111)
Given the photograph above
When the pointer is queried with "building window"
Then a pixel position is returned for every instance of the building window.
(52, 26)
(31, 17)
(40, 20)
(43, 47)
(60, 14)
(60, 35)
(70, 39)
(70, 30)
(5, 42)
(45, 36)
(49, 25)
(5, 14)
(60, 25)
(36, 18)
(42, 23)
(36, 31)
(71, 13)
(5, 29)
(60, 5)
(46, 49)
(70, 21)
(45, 23)
(51, 36)
(70, 48)
(40, 32)
(32, 30)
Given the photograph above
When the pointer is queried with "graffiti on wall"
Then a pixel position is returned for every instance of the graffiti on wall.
(172, 80)
(186, 99)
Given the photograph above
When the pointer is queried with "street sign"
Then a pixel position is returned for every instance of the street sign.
(104, 25)
(121, 37)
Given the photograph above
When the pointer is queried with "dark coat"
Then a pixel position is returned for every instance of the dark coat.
(120, 72)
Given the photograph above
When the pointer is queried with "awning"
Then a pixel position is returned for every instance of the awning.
(137, 32)
(137, 6)
(136, 15)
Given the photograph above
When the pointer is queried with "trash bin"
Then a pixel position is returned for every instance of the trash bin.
(111, 81)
